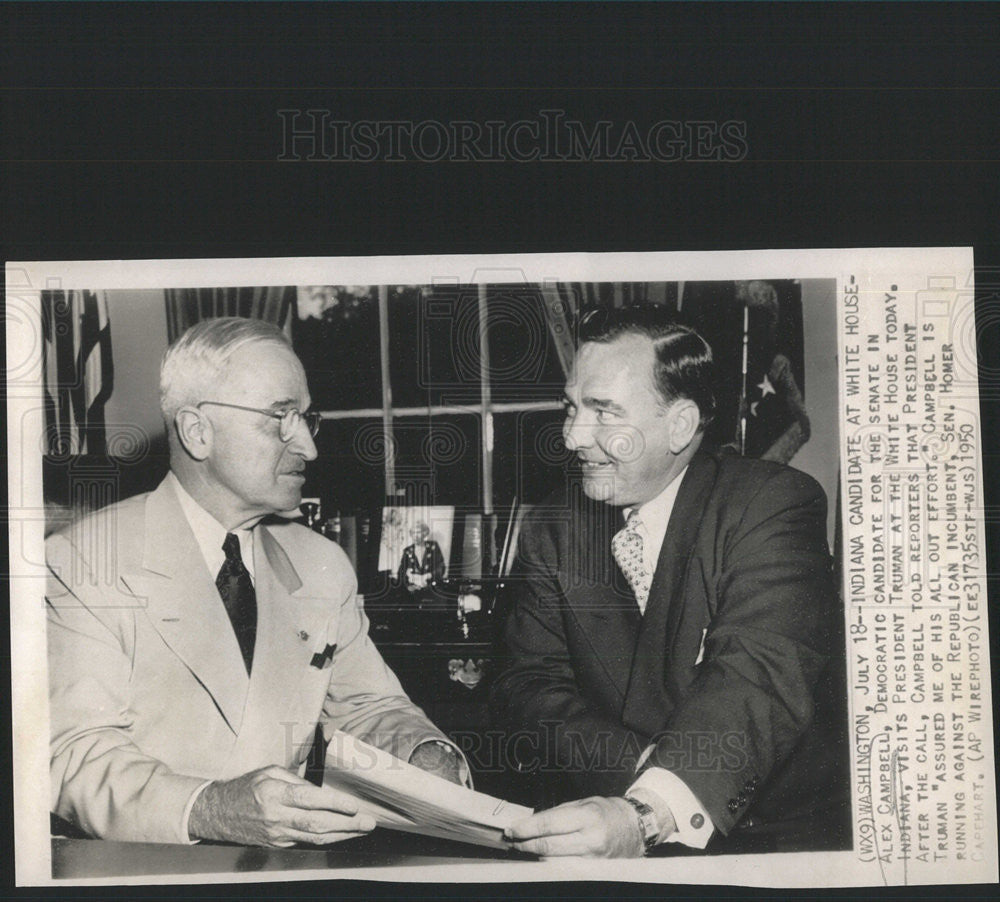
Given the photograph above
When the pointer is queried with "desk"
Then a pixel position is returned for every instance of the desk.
(418, 645)
(78, 859)
(398, 858)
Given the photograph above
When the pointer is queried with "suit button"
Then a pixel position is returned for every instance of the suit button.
(697, 821)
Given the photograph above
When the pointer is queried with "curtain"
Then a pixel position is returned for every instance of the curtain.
(78, 370)
(565, 301)
(187, 306)
(562, 305)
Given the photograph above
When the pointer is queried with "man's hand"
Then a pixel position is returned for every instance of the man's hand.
(274, 807)
(440, 760)
(596, 827)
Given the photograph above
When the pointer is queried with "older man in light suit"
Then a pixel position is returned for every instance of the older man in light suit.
(193, 648)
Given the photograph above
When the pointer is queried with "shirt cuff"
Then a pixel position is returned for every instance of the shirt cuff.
(186, 815)
(694, 827)
(464, 773)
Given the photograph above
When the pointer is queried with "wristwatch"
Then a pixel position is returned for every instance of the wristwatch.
(446, 747)
(647, 822)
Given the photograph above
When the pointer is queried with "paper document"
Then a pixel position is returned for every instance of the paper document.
(403, 797)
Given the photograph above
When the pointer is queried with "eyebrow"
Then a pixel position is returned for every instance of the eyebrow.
(602, 403)
(284, 404)
(591, 402)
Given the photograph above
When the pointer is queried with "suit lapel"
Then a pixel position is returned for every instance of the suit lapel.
(666, 595)
(291, 627)
(184, 606)
(600, 598)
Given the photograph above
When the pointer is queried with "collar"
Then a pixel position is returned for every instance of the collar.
(655, 516)
(209, 533)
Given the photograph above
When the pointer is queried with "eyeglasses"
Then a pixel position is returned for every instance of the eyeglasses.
(288, 420)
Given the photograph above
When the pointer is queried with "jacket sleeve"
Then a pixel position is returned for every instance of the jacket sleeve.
(536, 699)
(100, 780)
(752, 698)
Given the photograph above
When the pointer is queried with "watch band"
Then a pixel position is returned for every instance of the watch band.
(647, 822)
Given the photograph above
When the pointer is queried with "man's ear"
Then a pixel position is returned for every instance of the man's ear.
(194, 432)
(685, 420)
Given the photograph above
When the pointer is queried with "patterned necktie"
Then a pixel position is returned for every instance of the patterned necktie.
(626, 546)
(236, 589)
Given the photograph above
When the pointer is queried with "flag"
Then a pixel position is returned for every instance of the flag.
(78, 370)
(768, 398)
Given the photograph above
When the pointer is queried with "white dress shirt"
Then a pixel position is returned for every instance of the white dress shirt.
(210, 534)
(666, 786)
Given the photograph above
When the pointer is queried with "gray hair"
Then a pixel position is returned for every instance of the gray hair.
(200, 357)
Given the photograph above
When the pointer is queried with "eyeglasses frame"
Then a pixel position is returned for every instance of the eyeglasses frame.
(311, 418)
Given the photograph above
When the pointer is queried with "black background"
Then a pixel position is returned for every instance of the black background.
(151, 130)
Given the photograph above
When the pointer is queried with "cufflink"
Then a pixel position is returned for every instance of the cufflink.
(697, 821)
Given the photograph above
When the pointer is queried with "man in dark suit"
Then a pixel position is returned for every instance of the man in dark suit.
(672, 628)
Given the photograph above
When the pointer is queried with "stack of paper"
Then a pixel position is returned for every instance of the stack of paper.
(403, 797)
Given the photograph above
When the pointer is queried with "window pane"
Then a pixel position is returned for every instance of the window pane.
(437, 460)
(434, 345)
(349, 474)
(335, 334)
(523, 360)
(529, 456)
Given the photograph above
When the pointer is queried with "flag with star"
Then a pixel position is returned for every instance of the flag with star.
(755, 409)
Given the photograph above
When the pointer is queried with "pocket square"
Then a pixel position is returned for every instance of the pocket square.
(701, 648)
(323, 658)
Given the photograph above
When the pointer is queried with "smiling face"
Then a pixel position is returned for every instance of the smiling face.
(249, 470)
(630, 443)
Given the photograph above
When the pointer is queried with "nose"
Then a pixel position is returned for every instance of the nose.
(576, 435)
(302, 442)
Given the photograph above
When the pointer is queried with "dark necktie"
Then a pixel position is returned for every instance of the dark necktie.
(236, 589)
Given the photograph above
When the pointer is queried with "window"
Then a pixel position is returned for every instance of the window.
(449, 394)
(433, 394)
